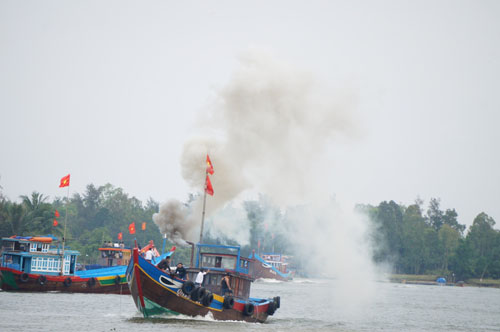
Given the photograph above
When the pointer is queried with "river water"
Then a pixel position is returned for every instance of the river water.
(306, 305)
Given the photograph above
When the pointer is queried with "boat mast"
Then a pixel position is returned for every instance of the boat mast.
(204, 204)
(64, 233)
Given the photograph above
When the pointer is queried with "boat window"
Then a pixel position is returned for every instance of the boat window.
(218, 261)
(228, 262)
(33, 247)
(45, 247)
(208, 261)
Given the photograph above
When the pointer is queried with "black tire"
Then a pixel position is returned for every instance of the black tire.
(277, 302)
(271, 308)
(228, 302)
(207, 299)
(188, 287)
(42, 280)
(91, 282)
(118, 280)
(197, 293)
(24, 277)
(67, 282)
(248, 309)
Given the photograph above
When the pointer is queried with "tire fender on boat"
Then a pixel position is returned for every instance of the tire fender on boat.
(118, 280)
(228, 302)
(197, 293)
(42, 280)
(91, 282)
(248, 309)
(207, 299)
(277, 302)
(24, 277)
(271, 308)
(67, 282)
(188, 287)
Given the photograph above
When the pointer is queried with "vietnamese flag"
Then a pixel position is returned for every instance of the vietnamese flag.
(208, 187)
(143, 226)
(55, 223)
(210, 168)
(131, 228)
(64, 181)
(120, 236)
(57, 214)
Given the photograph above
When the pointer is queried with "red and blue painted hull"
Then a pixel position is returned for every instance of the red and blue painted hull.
(156, 292)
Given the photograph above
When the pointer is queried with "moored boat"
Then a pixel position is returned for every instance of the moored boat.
(154, 291)
(271, 266)
(38, 264)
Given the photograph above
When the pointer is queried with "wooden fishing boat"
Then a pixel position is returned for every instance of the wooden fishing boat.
(154, 291)
(271, 266)
(37, 264)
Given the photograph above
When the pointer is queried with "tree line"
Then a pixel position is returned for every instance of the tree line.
(412, 240)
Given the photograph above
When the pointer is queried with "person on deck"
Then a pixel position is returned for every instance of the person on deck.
(199, 277)
(181, 272)
(164, 265)
(149, 255)
(225, 285)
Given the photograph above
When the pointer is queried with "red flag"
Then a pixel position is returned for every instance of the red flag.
(208, 187)
(210, 168)
(120, 236)
(143, 226)
(131, 228)
(55, 223)
(64, 181)
(57, 214)
(173, 248)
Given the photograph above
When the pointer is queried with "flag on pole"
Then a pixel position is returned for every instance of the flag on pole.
(208, 187)
(210, 167)
(120, 236)
(143, 226)
(55, 223)
(131, 228)
(64, 181)
(57, 214)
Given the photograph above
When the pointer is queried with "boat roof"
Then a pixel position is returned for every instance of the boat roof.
(44, 239)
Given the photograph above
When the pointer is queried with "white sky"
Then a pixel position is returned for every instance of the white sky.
(109, 91)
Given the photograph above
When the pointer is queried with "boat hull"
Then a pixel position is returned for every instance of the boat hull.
(14, 280)
(260, 271)
(155, 292)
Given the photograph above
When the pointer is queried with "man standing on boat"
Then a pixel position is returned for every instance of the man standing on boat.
(149, 255)
(180, 271)
(225, 285)
(199, 277)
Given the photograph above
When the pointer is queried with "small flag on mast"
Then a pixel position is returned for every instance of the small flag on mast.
(120, 236)
(57, 214)
(64, 181)
(208, 187)
(143, 226)
(131, 228)
(210, 167)
(55, 223)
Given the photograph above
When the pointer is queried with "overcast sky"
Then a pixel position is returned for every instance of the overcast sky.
(109, 91)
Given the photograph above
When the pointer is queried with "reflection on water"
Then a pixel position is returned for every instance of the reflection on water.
(306, 305)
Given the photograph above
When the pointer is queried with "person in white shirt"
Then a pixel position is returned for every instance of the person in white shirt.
(149, 255)
(199, 277)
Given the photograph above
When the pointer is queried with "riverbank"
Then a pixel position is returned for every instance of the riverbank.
(429, 279)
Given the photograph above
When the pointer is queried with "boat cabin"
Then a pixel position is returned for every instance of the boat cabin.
(39, 255)
(220, 260)
(113, 254)
(278, 261)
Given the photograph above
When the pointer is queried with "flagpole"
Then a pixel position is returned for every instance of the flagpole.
(64, 233)
(204, 204)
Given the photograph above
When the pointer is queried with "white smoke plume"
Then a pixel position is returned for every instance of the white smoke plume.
(176, 222)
